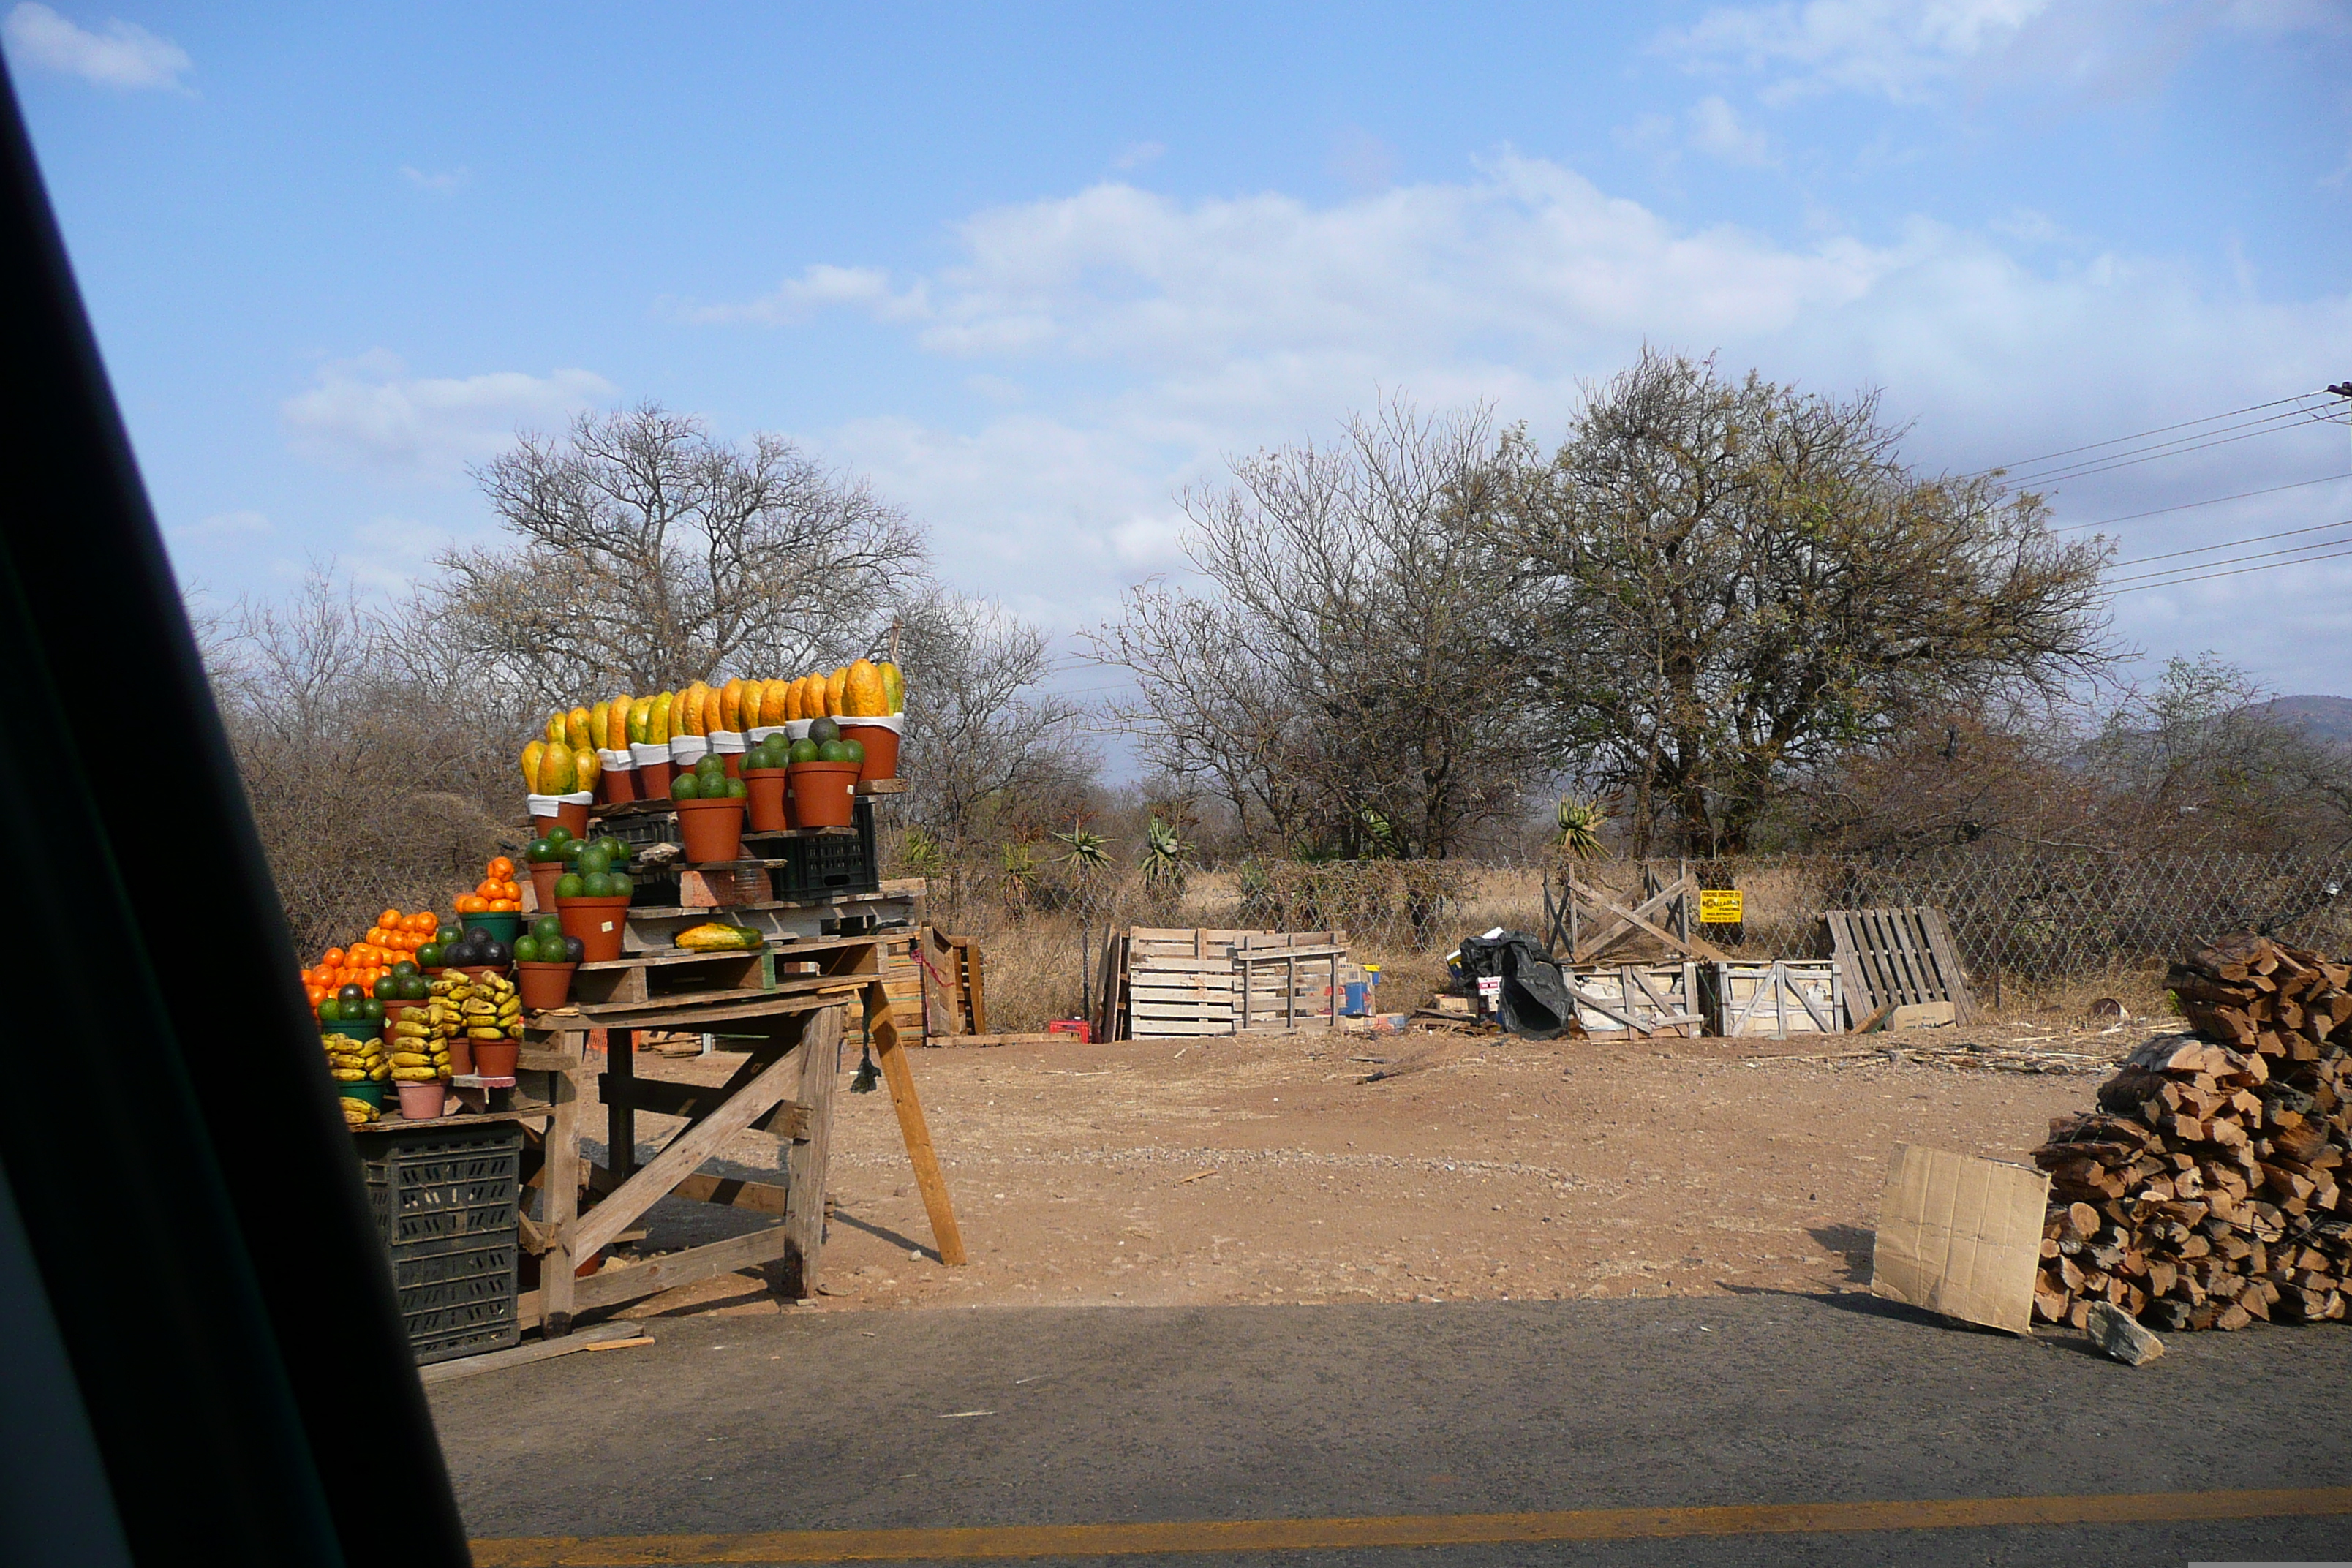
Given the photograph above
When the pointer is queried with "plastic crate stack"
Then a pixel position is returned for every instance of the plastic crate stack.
(445, 1203)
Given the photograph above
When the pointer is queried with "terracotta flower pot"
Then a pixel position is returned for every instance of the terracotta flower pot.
(824, 794)
(544, 875)
(571, 816)
(496, 1058)
(543, 985)
(767, 799)
(653, 781)
(881, 743)
(423, 1102)
(620, 785)
(599, 923)
(461, 1054)
(712, 829)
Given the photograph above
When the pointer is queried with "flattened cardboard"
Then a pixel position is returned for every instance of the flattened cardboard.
(1961, 1236)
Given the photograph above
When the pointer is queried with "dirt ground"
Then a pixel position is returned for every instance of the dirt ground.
(1265, 1169)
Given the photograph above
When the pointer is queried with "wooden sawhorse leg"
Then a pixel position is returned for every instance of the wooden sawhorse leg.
(884, 1031)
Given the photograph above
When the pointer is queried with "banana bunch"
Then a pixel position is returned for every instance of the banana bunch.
(494, 1010)
(358, 1112)
(353, 1061)
(419, 1053)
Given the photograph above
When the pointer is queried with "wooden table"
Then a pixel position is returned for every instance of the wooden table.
(794, 1024)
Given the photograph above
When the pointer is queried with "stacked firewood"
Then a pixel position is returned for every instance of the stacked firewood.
(2203, 1192)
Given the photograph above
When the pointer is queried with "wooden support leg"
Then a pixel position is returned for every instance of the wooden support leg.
(911, 1126)
(620, 1115)
(560, 1194)
(805, 1160)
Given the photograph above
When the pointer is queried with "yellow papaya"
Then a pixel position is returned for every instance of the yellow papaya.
(894, 688)
(575, 728)
(688, 718)
(600, 722)
(530, 755)
(555, 728)
(731, 706)
(678, 706)
(861, 690)
(711, 715)
(616, 723)
(658, 718)
(587, 767)
(559, 773)
(834, 687)
(640, 721)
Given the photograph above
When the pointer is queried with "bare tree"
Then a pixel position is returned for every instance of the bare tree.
(647, 554)
(984, 757)
(1335, 686)
(1725, 585)
(368, 785)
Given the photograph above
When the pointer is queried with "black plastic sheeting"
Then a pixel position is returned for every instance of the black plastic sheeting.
(1534, 1003)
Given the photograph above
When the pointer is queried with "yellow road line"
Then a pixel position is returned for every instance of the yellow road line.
(1398, 1530)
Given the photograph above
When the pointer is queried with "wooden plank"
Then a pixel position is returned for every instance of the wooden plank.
(959, 1041)
(559, 1200)
(664, 1098)
(733, 1192)
(808, 1162)
(1938, 933)
(930, 1180)
(665, 1016)
(611, 1287)
(1619, 930)
(1170, 1030)
(680, 1156)
(1694, 946)
(588, 1338)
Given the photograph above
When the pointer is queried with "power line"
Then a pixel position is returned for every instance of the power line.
(2142, 436)
(2232, 544)
(2192, 505)
(2233, 559)
(2201, 577)
(2176, 448)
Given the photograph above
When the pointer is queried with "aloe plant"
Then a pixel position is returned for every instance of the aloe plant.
(1581, 821)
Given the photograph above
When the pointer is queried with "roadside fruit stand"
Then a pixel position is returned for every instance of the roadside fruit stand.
(691, 867)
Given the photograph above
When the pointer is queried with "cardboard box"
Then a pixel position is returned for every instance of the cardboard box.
(1961, 1236)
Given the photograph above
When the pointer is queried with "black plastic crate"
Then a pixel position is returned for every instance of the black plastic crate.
(459, 1301)
(829, 864)
(637, 828)
(437, 1185)
(444, 1205)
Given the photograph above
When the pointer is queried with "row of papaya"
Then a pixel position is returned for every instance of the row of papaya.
(585, 746)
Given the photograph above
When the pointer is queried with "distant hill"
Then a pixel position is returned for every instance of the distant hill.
(2322, 717)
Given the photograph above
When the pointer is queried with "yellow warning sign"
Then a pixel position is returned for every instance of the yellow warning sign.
(1718, 906)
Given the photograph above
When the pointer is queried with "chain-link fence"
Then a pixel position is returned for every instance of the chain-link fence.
(2029, 921)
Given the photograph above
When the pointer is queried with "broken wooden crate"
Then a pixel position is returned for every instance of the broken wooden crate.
(1636, 999)
(1778, 998)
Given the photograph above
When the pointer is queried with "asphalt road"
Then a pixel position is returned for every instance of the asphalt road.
(818, 1420)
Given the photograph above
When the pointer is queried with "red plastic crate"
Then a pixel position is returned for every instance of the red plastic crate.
(1077, 1026)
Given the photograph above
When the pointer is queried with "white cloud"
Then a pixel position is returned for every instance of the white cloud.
(223, 528)
(1715, 130)
(797, 298)
(366, 413)
(1152, 338)
(125, 55)
(1899, 49)
(1138, 153)
(440, 183)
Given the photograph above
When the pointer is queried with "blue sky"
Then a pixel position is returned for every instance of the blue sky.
(1037, 268)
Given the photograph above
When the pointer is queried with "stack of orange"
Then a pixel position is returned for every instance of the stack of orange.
(497, 893)
(394, 936)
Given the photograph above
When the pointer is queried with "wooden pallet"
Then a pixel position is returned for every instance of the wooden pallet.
(1898, 958)
(1636, 999)
(1160, 982)
(631, 990)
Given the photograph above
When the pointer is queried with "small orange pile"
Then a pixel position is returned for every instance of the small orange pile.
(394, 936)
(497, 893)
